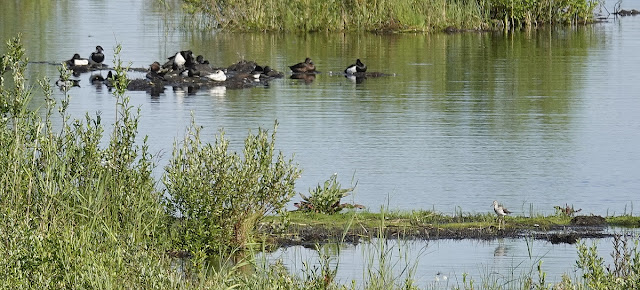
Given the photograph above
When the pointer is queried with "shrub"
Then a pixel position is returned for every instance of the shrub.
(326, 198)
(219, 196)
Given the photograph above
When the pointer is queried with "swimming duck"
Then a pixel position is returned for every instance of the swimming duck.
(76, 60)
(356, 68)
(304, 67)
(98, 56)
(218, 76)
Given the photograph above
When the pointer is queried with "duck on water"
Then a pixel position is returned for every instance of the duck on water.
(303, 67)
(98, 55)
(358, 67)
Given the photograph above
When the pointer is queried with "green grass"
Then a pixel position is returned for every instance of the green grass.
(387, 15)
(624, 221)
(418, 218)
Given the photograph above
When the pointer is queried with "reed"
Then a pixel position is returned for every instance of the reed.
(386, 15)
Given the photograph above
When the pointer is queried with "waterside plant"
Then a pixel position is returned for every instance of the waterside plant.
(390, 16)
(326, 198)
(74, 214)
(218, 196)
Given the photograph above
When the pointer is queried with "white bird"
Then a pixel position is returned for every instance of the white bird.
(217, 76)
(501, 211)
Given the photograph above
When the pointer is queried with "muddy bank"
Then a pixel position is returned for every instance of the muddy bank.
(311, 235)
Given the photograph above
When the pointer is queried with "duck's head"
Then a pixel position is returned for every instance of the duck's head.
(155, 66)
(99, 49)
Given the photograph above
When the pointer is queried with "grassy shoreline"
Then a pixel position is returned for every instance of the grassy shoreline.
(388, 16)
(307, 229)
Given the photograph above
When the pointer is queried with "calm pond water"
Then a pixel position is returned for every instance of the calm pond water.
(444, 264)
(532, 119)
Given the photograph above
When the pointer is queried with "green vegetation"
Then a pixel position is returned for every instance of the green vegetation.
(219, 195)
(386, 15)
(74, 214)
(326, 198)
(419, 218)
(81, 210)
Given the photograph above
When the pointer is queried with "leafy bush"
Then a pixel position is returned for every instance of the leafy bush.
(326, 198)
(625, 273)
(219, 196)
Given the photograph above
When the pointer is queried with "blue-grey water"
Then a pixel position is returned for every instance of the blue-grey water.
(533, 119)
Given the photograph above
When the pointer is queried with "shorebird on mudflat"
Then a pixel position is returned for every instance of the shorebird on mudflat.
(501, 211)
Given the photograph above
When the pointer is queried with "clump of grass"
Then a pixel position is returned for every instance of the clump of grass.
(624, 221)
(326, 198)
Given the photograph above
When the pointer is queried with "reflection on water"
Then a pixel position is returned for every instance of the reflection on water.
(442, 264)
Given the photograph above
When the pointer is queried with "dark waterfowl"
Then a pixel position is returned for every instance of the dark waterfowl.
(76, 60)
(304, 67)
(269, 72)
(154, 73)
(200, 59)
(98, 56)
(358, 67)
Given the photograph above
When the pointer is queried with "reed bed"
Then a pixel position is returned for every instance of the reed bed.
(387, 15)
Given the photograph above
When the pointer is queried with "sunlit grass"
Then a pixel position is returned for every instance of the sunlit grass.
(386, 15)
(421, 218)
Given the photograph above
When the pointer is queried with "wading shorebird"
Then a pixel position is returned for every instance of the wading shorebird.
(501, 211)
